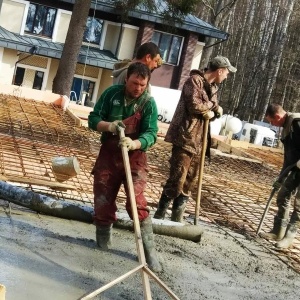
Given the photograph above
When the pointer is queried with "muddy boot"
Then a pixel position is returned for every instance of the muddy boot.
(149, 245)
(278, 231)
(289, 237)
(179, 205)
(104, 236)
(162, 207)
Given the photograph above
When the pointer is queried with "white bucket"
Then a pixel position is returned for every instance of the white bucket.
(65, 168)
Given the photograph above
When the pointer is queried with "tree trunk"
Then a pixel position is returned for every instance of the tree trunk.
(219, 12)
(64, 77)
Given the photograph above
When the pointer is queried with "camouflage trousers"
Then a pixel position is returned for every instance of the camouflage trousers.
(289, 187)
(184, 170)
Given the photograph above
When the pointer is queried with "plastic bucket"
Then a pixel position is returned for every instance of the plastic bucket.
(65, 168)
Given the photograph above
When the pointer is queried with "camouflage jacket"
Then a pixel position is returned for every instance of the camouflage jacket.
(197, 97)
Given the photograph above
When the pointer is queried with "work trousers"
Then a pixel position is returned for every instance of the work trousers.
(289, 187)
(109, 173)
(184, 170)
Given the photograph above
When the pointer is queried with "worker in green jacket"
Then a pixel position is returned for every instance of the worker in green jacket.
(132, 107)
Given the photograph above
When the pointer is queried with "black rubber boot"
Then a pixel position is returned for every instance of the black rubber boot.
(178, 208)
(149, 245)
(104, 236)
(278, 231)
(162, 207)
(289, 237)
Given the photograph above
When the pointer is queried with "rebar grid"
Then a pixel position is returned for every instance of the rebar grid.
(234, 191)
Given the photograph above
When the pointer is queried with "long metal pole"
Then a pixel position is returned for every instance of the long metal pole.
(265, 211)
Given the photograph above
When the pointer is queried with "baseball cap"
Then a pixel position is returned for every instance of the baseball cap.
(221, 62)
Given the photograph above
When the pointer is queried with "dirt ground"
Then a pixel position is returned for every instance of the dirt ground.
(47, 258)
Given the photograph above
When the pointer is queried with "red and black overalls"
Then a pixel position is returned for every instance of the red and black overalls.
(109, 174)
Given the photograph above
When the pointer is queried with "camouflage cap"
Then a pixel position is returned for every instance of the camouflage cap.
(221, 62)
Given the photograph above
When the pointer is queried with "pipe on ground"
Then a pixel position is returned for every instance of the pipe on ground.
(75, 211)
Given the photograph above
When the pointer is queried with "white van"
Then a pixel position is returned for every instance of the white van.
(258, 135)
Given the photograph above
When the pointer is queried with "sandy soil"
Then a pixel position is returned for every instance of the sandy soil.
(43, 257)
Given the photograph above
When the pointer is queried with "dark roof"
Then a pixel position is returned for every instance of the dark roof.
(190, 22)
(24, 43)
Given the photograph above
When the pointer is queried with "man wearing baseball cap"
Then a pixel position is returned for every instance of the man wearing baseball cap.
(198, 102)
(221, 62)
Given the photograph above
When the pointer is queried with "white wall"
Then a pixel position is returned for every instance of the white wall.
(197, 56)
(127, 45)
(166, 101)
(12, 13)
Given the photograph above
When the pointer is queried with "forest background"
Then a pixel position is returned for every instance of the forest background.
(264, 45)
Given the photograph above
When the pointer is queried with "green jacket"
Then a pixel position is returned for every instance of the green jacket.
(111, 107)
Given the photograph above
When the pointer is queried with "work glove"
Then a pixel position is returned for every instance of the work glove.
(128, 143)
(219, 112)
(115, 126)
(208, 115)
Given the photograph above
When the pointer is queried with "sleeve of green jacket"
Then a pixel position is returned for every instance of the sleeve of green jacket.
(148, 126)
(102, 110)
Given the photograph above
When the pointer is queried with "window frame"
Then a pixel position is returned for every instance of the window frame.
(161, 34)
(92, 80)
(42, 33)
(98, 43)
(44, 70)
(34, 82)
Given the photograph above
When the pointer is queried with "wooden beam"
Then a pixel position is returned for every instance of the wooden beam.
(40, 182)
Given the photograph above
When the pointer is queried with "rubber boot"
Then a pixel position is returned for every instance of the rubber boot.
(162, 207)
(178, 208)
(104, 236)
(278, 231)
(289, 237)
(149, 245)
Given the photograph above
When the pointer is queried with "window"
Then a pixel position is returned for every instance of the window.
(82, 88)
(24, 76)
(92, 33)
(38, 80)
(40, 20)
(169, 46)
(20, 72)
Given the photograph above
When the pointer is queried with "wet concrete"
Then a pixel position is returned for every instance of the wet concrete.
(49, 258)
(43, 257)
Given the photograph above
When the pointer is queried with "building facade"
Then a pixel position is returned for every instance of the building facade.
(32, 35)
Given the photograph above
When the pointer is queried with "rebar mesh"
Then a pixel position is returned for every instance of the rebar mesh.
(234, 191)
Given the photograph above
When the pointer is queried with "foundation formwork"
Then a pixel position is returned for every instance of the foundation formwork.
(234, 190)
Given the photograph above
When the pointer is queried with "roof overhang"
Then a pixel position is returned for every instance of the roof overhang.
(88, 55)
(189, 23)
